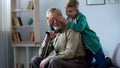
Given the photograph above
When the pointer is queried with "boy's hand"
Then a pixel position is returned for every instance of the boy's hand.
(62, 19)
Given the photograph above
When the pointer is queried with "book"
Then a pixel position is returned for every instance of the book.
(30, 5)
(19, 65)
(19, 39)
(13, 21)
(20, 21)
(17, 21)
(32, 37)
(16, 37)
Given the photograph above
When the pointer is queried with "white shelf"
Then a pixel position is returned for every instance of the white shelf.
(24, 47)
(24, 54)
(22, 26)
(26, 44)
(20, 10)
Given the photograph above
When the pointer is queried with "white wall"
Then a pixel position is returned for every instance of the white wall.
(103, 19)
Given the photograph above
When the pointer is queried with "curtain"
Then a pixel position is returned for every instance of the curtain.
(6, 51)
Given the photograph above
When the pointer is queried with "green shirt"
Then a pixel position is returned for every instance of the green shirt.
(89, 36)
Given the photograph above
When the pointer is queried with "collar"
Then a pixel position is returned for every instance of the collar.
(58, 31)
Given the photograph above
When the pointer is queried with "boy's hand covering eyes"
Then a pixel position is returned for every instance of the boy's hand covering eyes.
(61, 19)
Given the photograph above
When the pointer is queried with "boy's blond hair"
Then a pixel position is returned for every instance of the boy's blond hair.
(72, 3)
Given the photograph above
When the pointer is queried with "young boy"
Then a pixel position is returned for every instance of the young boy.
(77, 21)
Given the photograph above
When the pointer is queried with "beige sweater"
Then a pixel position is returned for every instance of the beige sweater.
(67, 48)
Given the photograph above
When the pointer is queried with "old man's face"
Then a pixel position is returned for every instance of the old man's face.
(55, 23)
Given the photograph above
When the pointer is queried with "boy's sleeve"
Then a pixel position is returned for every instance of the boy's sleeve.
(51, 28)
(79, 27)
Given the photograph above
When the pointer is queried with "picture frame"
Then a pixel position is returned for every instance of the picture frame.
(113, 1)
(95, 2)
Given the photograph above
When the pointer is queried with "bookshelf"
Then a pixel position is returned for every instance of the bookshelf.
(25, 33)
(23, 54)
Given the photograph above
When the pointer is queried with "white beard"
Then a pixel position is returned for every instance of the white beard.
(57, 28)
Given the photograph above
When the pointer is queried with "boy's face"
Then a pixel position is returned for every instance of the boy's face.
(71, 12)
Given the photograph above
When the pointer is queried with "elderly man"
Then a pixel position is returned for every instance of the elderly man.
(67, 44)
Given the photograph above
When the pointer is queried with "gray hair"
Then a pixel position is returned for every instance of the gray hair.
(52, 10)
